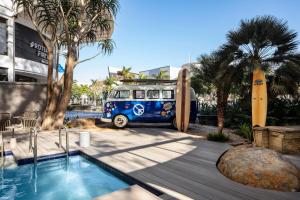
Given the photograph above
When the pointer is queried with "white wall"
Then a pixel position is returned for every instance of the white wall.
(174, 72)
(6, 61)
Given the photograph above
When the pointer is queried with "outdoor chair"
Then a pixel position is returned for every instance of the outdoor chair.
(26, 122)
(29, 119)
(5, 121)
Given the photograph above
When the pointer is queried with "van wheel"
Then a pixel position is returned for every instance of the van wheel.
(174, 124)
(120, 121)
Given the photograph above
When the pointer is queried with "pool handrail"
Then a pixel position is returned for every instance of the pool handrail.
(60, 138)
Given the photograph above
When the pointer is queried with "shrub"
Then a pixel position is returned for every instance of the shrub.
(220, 137)
(245, 131)
(207, 109)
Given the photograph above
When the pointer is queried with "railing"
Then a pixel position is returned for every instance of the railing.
(34, 147)
(2, 149)
(67, 139)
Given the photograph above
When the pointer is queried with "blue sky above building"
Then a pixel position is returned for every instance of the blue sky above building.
(155, 33)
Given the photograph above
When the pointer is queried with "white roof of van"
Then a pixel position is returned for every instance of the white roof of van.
(145, 87)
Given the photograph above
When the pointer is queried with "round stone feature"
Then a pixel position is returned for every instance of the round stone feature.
(260, 167)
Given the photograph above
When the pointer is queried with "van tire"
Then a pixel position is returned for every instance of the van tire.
(120, 121)
(174, 125)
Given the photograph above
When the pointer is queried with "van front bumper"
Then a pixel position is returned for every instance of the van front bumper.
(106, 120)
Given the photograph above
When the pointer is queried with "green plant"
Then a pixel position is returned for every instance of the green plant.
(162, 75)
(219, 137)
(217, 72)
(126, 73)
(246, 131)
(207, 109)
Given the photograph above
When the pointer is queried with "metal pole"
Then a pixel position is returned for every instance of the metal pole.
(30, 139)
(2, 150)
(35, 146)
(59, 137)
(67, 142)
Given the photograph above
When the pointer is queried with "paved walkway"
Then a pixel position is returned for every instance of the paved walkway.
(180, 165)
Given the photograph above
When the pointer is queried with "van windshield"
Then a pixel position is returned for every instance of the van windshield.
(120, 94)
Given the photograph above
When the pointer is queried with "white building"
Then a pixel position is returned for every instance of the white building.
(171, 72)
(191, 65)
(23, 57)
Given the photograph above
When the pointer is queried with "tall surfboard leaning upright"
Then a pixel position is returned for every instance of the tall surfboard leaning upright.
(183, 100)
(259, 98)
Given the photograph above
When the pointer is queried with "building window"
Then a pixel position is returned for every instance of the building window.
(153, 94)
(21, 78)
(3, 36)
(168, 94)
(3, 74)
(138, 94)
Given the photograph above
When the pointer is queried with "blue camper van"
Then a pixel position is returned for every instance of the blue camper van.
(143, 103)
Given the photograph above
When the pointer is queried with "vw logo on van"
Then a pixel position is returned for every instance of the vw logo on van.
(138, 109)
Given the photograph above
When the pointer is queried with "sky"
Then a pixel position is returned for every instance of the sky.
(156, 33)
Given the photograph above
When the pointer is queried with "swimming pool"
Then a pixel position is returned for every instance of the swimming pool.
(70, 178)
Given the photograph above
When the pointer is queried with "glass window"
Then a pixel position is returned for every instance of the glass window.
(138, 94)
(3, 36)
(168, 94)
(153, 94)
(122, 94)
(3, 74)
(21, 78)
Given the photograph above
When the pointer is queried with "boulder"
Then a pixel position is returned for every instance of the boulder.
(260, 167)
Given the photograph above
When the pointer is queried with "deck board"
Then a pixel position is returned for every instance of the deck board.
(180, 165)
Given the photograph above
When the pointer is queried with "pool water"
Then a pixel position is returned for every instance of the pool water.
(70, 179)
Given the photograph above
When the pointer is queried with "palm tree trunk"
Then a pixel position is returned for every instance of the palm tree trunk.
(49, 117)
(59, 98)
(50, 105)
(66, 94)
(222, 97)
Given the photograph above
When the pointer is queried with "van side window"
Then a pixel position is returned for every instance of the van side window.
(153, 94)
(168, 94)
(122, 94)
(138, 94)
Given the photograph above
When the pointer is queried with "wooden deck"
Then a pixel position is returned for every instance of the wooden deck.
(134, 192)
(179, 165)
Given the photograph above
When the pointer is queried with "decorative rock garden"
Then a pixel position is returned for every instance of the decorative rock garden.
(260, 167)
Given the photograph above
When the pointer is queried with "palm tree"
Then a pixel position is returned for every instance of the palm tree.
(96, 88)
(143, 76)
(265, 43)
(217, 74)
(268, 44)
(73, 25)
(262, 42)
(109, 82)
(162, 75)
(286, 80)
(126, 73)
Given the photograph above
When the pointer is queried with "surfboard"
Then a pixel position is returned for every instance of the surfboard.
(183, 100)
(259, 98)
